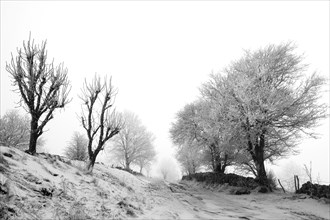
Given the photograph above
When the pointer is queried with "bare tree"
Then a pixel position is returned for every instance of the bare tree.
(308, 171)
(14, 131)
(77, 147)
(168, 169)
(164, 171)
(270, 102)
(43, 87)
(99, 118)
(134, 144)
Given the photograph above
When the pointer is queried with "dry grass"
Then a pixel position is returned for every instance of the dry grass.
(77, 212)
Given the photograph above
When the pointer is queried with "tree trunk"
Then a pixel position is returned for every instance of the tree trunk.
(33, 136)
(127, 163)
(193, 168)
(127, 166)
(258, 159)
(212, 153)
(224, 165)
(91, 162)
(261, 171)
(218, 166)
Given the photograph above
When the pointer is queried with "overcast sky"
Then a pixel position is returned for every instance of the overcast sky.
(159, 53)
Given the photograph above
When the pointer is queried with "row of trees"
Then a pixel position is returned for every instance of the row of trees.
(132, 146)
(254, 111)
(45, 87)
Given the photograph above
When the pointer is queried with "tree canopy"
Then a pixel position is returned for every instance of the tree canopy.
(259, 107)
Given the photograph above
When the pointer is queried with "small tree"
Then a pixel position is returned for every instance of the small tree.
(99, 118)
(164, 171)
(146, 158)
(43, 87)
(14, 131)
(168, 169)
(77, 148)
(199, 122)
(190, 157)
(308, 171)
(133, 145)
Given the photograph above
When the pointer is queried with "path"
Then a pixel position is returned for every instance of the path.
(181, 201)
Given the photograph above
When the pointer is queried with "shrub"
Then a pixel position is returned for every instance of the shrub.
(316, 190)
(271, 179)
(220, 178)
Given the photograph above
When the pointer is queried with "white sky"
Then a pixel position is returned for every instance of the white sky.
(159, 53)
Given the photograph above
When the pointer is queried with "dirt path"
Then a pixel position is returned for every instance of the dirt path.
(180, 201)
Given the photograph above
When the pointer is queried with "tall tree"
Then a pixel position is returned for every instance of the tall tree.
(134, 144)
(77, 147)
(99, 118)
(271, 102)
(43, 87)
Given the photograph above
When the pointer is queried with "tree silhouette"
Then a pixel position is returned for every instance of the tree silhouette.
(98, 118)
(43, 87)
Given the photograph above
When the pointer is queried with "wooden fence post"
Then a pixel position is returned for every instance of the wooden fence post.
(296, 182)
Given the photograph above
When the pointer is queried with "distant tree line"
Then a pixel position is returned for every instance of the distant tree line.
(255, 110)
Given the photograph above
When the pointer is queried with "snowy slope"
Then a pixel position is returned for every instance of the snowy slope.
(48, 187)
(51, 187)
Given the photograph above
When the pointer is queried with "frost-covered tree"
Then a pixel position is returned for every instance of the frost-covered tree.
(271, 102)
(144, 162)
(77, 147)
(15, 131)
(43, 87)
(168, 169)
(199, 123)
(134, 144)
(190, 156)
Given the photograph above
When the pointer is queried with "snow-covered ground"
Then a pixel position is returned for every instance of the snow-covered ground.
(193, 201)
(50, 187)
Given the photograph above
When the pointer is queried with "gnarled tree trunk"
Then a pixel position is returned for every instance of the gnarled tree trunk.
(91, 162)
(258, 159)
(33, 136)
(221, 163)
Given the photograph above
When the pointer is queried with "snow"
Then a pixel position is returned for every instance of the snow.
(51, 187)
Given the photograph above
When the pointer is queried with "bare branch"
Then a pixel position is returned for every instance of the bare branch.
(98, 118)
(42, 86)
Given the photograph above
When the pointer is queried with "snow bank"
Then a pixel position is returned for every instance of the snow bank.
(51, 187)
